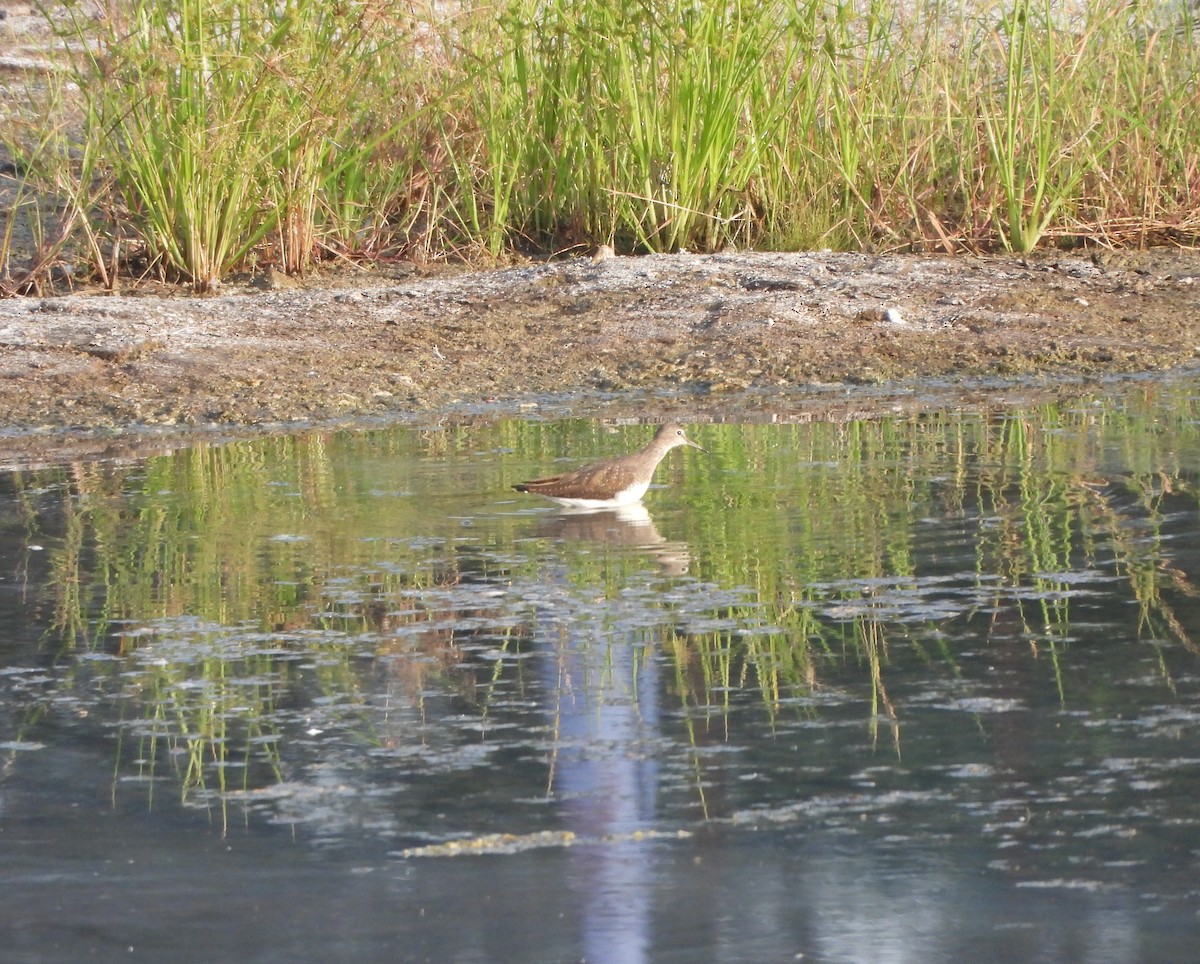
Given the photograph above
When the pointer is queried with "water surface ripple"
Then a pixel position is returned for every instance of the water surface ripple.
(920, 688)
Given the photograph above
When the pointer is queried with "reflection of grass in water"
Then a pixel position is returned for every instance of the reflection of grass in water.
(775, 663)
(805, 522)
(234, 532)
(1055, 513)
(238, 535)
(1027, 484)
(1144, 558)
(209, 706)
(845, 495)
(1030, 539)
(202, 703)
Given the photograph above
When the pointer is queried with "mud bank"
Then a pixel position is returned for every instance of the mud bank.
(774, 332)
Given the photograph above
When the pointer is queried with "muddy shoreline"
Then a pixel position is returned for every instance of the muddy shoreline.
(792, 335)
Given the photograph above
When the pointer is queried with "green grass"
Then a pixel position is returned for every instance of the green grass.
(213, 136)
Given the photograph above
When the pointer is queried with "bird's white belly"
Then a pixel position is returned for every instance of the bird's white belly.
(626, 496)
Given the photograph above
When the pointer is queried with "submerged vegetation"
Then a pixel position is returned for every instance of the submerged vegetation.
(192, 140)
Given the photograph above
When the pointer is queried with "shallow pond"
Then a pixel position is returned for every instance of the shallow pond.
(909, 689)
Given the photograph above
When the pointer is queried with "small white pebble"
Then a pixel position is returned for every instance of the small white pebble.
(1082, 301)
(893, 315)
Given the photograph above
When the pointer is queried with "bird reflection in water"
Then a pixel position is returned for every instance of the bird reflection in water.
(627, 526)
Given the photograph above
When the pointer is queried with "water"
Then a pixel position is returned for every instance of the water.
(910, 689)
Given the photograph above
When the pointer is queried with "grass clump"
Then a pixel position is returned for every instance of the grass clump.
(640, 121)
(214, 134)
(231, 128)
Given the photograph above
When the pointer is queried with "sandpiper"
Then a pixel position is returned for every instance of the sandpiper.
(620, 481)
